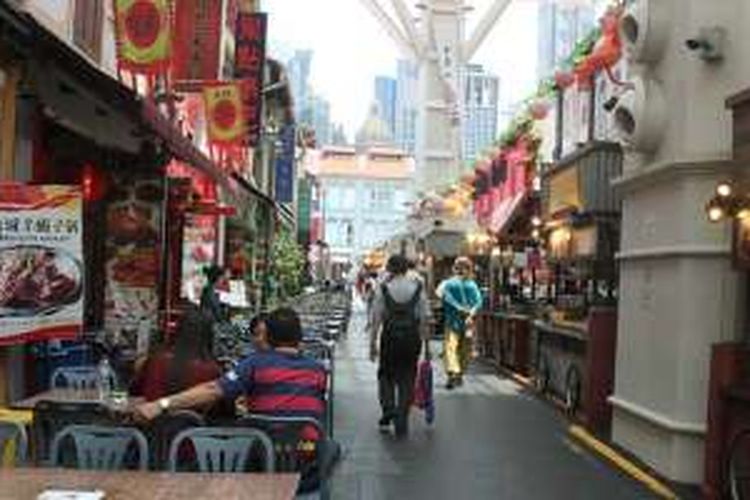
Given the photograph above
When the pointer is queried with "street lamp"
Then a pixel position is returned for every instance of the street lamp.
(727, 203)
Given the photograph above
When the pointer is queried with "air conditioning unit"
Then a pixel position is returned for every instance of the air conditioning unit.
(644, 30)
(640, 115)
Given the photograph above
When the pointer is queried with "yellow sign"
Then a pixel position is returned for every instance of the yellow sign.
(143, 35)
(224, 113)
(564, 193)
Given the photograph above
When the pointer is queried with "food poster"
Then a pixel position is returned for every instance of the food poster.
(41, 262)
(132, 260)
(198, 252)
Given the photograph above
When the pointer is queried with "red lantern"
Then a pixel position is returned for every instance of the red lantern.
(93, 183)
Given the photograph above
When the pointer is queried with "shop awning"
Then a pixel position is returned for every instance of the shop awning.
(505, 211)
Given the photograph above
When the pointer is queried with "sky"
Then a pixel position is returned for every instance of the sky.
(350, 49)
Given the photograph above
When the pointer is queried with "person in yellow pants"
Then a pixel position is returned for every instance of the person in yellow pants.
(461, 300)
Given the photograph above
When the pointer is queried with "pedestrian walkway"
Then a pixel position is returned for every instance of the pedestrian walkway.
(490, 440)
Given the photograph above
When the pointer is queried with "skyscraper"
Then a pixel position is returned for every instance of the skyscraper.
(480, 97)
(405, 129)
(310, 110)
(561, 25)
(385, 97)
(320, 119)
(298, 70)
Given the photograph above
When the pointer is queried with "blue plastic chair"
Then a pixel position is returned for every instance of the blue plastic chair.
(101, 448)
(223, 449)
(324, 351)
(76, 377)
(288, 438)
(13, 431)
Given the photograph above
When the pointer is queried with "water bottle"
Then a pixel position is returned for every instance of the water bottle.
(105, 379)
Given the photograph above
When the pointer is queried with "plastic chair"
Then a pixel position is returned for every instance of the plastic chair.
(324, 352)
(76, 377)
(50, 417)
(223, 449)
(164, 429)
(13, 432)
(293, 450)
(101, 448)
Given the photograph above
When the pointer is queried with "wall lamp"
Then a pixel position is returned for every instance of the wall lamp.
(726, 203)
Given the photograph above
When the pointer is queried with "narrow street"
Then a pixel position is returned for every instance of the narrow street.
(490, 440)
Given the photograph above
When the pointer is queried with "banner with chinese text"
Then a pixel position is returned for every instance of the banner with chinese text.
(41, 262)
(284, 179)
(250, 58)
(144, 34)
(197, 43)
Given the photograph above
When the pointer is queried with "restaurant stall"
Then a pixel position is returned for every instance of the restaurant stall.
(507, 207)
(575, 338)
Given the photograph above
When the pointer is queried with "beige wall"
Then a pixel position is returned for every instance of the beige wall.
(679, 292)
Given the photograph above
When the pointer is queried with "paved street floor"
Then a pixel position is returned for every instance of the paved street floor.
(491, 440)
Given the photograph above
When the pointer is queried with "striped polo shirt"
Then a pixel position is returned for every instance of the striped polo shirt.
(278, 384)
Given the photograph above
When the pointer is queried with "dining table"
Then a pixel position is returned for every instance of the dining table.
(32, 483)
(67, 395)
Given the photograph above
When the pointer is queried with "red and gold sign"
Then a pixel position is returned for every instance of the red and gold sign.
(197, 43)
(225, 115)
(250, 57)
(143, 35)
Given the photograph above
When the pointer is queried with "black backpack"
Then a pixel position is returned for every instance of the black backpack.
(401, 324)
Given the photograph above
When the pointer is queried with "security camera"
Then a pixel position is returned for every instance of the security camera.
(610, 104)
(694, 43)
(709, 44)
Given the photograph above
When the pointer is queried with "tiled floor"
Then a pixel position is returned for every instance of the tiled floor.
(490, 440)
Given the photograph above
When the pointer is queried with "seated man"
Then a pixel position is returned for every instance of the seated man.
(279, 382)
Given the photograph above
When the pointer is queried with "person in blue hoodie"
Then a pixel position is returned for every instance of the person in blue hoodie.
(461, 300)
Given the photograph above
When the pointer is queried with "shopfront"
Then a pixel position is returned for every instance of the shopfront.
(575, 338)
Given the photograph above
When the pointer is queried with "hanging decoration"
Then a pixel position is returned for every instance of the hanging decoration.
(143, 34)
(197, 43)
(226, 120)
(249, 63)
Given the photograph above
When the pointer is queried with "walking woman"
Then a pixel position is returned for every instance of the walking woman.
(461, 299)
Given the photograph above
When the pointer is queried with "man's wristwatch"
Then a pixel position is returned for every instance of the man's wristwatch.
(164, 404)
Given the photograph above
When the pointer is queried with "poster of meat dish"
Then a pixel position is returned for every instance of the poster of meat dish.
(132, 260)
(41, 262)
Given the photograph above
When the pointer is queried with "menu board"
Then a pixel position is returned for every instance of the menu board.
(132, 259)
(41, 262)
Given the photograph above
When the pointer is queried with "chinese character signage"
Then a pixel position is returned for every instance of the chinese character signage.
(284, 180)
(41, 262)
(225, 114)
(197, 42)
(250, 56)
(143, 35)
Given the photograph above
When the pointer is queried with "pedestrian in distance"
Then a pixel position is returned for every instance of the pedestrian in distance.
(210, 303)
(259, 333)
(461, 299)
(398, 324)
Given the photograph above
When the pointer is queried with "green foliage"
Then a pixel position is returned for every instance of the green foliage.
(287, 264)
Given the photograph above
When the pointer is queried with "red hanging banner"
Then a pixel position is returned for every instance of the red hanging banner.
(143, 31)
(250, 58)
(197, 43)
(225, 114)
